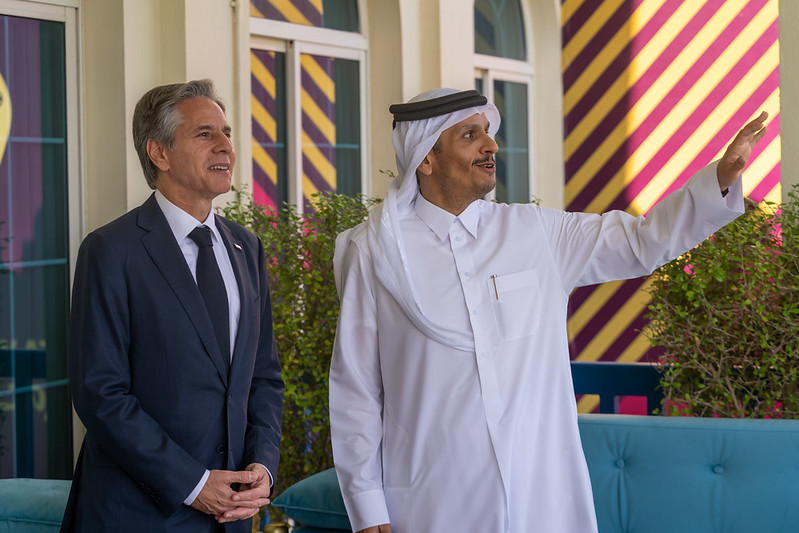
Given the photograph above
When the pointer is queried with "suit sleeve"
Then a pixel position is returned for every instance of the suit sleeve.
(100, 340)
(262, 441)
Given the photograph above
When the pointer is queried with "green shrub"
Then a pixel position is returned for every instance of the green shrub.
(299, 249)
(726, 315)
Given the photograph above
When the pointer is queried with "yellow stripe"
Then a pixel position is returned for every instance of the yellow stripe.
(588, 403)
(568, 9)
(698, 139)
(639, 18)
(264, 161)
(263, 118)
(262, 74)
(308, 188)
(318, 117)
(775, 195)
(618, 323)
(319, 76)
(590, 307)
(666, 127)
(319, 161)
(317, 4)
(638, 66)
(255, 13)
(636, 350)
(761, 166)
(594, 23)
(289, 12)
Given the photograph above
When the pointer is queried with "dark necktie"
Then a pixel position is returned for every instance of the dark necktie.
(212, 288)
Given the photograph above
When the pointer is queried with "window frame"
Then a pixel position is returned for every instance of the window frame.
(490, 69)
(66, 12)
(294, 40)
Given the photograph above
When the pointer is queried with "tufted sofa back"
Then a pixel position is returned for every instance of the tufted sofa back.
(654, 474)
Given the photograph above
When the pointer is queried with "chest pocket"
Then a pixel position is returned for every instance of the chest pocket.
(514, 303)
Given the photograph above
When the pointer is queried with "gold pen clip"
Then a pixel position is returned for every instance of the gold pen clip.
(494, 279)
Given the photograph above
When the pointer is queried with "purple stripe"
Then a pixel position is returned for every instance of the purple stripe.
(577, 21)
(699, 114)
(309, 11)
(615, 69)
(601, 316)
(313, 90)
(634, 93)
(599, 40)
(314, 176)
(316, 136)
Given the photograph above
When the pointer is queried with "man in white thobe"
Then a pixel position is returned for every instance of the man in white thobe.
(451, 400)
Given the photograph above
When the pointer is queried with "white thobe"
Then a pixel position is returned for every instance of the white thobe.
(432, 438)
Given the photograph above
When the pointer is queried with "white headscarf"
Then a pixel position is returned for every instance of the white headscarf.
(413, 140)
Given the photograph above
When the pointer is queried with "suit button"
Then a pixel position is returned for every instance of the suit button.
(220, 449)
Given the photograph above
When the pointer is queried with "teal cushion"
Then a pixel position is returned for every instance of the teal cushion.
(315, 501)
(32, 505)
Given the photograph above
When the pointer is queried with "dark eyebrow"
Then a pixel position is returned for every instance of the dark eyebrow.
(205, 127)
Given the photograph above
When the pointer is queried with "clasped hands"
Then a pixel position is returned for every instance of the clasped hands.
(218, 498)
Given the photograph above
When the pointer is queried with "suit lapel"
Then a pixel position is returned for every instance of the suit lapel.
(164, 251)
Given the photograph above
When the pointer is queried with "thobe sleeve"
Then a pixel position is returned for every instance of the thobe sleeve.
(356, 390)
(591, 248)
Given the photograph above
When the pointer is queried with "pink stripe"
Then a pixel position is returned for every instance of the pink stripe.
(751, 106)
(620, 62)
(634, 94)
(767, 184)
(594, 46)
(675, 142)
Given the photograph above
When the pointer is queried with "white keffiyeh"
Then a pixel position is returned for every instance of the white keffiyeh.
(413, 140)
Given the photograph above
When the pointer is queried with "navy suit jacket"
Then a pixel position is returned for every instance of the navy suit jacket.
(160, 402)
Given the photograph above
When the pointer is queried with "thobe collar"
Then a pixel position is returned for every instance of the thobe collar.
(440, 221)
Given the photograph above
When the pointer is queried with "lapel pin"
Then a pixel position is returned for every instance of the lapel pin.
(238, 246)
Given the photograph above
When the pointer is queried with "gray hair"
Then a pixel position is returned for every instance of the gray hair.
(156, 117)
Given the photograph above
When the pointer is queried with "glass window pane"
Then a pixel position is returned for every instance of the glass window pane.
(513, 141)
(499, 29)
(268, 101)
(329, 97)
(35, 411)
(332, 14)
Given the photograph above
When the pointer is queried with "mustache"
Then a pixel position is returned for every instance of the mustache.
(483, 161)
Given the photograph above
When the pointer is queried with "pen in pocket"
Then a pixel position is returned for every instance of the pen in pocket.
(494, 279)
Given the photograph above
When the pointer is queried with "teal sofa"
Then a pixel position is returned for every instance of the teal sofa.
(32, 505)
(650, 474)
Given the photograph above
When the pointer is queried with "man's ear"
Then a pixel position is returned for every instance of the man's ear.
(426, 166)
(158, 154)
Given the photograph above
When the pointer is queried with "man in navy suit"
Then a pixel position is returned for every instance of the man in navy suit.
(182, 418)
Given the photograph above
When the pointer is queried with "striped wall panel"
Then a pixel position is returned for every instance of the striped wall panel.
(318, 104)
(306, 12)
(265, 141)
(653, 91)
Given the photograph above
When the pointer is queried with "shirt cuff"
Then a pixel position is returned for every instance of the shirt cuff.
(196, 492)
(367, 509)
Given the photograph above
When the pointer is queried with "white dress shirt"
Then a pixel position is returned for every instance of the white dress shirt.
(434, 438)
(182, 224)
